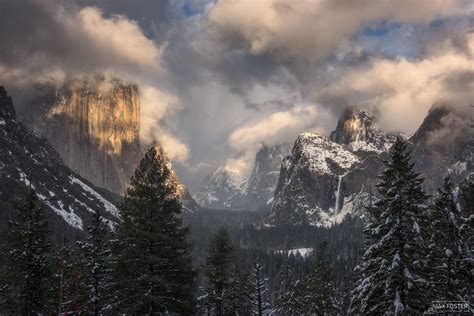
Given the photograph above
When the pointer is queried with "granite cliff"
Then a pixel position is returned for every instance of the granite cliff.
(94, 124)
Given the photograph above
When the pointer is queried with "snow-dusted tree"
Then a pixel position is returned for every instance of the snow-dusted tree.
(259, 290)
(392, 275)
(26, 271)
(289, 298)
(465, 291)
(320, 292)
(218, 271)
(240, 292)
(151, 261)
(445, 244)
(96, 264)
(70, 290)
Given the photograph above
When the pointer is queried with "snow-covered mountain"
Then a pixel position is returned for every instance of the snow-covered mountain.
(324, 179)
(28, 161)
(228, 187)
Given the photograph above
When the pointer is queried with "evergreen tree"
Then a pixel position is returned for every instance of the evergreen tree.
(464, 289)
(444, 244)
(26, 273)
(258, 297)
(320, 291)
(69, 289)
(393, 276)
(289, 298)
(239, 292)
(96, 261)
(152, 265)
(219, 268)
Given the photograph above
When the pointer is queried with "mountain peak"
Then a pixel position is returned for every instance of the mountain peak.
(7, 109)
(433, 121)
(357, 130)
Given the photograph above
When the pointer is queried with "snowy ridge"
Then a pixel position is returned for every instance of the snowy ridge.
(28, 162)
(321, 154)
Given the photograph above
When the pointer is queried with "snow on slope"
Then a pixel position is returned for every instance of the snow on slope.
(29, 162)
(323, 155)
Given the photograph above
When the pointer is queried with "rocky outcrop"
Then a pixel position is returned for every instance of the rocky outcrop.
(94, 124)
(28, 162)
(226, 187)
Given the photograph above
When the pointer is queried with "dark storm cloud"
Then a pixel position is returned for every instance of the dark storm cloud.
(40, 36)
(153, 16)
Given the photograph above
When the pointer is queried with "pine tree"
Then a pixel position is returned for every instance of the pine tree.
(289, 298)
(218, 270)
(239, 292)
(465, 291)
(151, 261)
(69, 290)
(258, 297)
(392, 275)
(26, 273)
(320, 291)
(96, 262)
(444, 244)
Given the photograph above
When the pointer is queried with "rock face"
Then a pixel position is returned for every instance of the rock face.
(94, 125)
(356, 130)
(30, 162)
(324, 179)
(263, 180)
(226, 187)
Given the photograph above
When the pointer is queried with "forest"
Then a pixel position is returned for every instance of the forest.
(406, 252)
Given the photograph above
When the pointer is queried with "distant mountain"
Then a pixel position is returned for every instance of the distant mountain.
(29, 162)
(226, 187)
(324, 179)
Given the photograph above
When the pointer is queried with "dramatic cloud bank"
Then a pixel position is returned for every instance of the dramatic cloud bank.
(220, 77)
(311, 30)
(403, 90)
(277, 128)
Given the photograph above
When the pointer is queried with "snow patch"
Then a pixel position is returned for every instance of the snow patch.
(320, 154)
(304, 252)
(109, 207)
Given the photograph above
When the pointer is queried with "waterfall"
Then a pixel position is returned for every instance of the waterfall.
(338, 192)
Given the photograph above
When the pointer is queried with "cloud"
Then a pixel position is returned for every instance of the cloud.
(51, 39)
(157, 105)
(311, 30)
(403, 90)
(276, 128)
(44, 41)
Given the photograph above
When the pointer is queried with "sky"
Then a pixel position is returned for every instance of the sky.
(218, 78)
